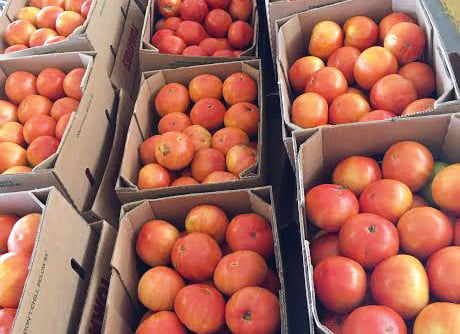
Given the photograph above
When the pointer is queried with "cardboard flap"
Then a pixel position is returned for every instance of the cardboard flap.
(451, 147)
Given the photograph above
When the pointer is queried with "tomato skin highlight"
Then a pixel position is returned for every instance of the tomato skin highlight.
(374, 319)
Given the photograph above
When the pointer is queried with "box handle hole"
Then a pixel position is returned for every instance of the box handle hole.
(89, 176)
(77, 268)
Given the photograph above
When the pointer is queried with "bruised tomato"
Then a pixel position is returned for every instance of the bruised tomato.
(361, 32)
(393, 93)
(326, 37)
(390, 20)
(174, 150)
(406, 41)
(374, 319)
(438, 318)
(329, 82)
(310, 110)
(389, 199)
(340, 284)
(376, 115)
(356, 173)
(446, 189)
(328, 206)
(344, 59)
(409, 162)
(302, 68)
(400, 282)
(422, 77)
(348, 108)
(324, 246)
(368, 239)
(443, 272)
(374, 64)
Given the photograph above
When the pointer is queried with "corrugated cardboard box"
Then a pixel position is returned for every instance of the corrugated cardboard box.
(123, 310)
(145, 120)
(321, 151)
(294, 35)
(101, 31)
(151, 59)
(75, 168)
(60, 265)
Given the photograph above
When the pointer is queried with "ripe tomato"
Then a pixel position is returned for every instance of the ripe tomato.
(344, 59)
(324, 246)
(310, 110)
(301, 69)
(374, 319)
(457, 233)
(348, 108)
(328, 206)
(406, 41)
(374, 64)
(356, 173)
(417, 106)
(326, 37)
(438, 318)
(329, 82)
(368, 239)
(423, 231)
(443, 273)
(426, 191)
(390, 20)
(389, 199)
(160, 322)
(446, 189)
(172, 97)
(400, 282)
(409, 162)
(340, 284)
(361, 32)
(393, 93)
(422, 76)
(376, 115)
(174, 150)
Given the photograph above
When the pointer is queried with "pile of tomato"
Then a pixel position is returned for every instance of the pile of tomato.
(386, 259)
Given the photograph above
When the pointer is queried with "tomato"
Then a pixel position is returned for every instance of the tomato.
(207, 219)
(446, 189)
(324, 246)
(301, 69)
(417, 106)
(406, 41)
(376, 115)
(161, 322)
(7, 316)
(368, 239)
(348, 108)
(174, 150)
(310, 110)
(326, 37)
(374, 64)
(389, 199)
(356, 173)
(457, 233)
(409, 162)
(423, 231)
(340, 283)
(374, 319)
(393, 93)
(6, 225)
(334, 322)
(426, 191)
(361, 32)
(344, 59)
(422, 76)
(400, 282)
(439, 318)
(390, 20)
(418, 202)
(357, 91)
(328, 206)
(172, 97)
(329, 82)
(443, 273)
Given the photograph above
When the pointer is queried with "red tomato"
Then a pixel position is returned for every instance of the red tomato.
(443, 273)
(334, 322)
(423, 231)
(446, 189)
(457, 233)
(324, 246)
(409, 162)
(310, 110)
(340, 284)
(422, 105)
(443, 318)
(356, 173)
(418, 202)
(161, 322)
(344, 59)
(326, 37)
(361, 32)
(400, 282)
(7, 316)
(372, 65)
(348, 108)
(368, 239)
(328, 206)
(390, 20)
(328, 82)
(376, 115)
(301, 69)
(374, 319)
(422, 76)
(389, 199)
(406, 41)
(6, 225)
(393, 93)
(174, 150)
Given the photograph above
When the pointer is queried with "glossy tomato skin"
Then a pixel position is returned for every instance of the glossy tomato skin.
(400, 282)
(446, 189)
(340, 284)
(417, 106)
(422, 76)
(409, 162)
(374, 319)
(423, 231)
(160, 322)
(328, 206)
(376, 115)
(361, 32)
(326, 37)
(174, 150)
(310, 110)
(443, 273)
(372, 65)
(301, 69)
(393, 93)
(344, 59)
(356, 173)
(406, 41)
(328, 82)
(324, 246)
(443, 318)
(390, 20)
(368, 239)
(348, 108)
(389, 199)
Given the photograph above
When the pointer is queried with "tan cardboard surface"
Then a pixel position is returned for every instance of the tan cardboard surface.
(320, 152)
(144, 119)
(294, 34)
(151, 59)
(174, 210)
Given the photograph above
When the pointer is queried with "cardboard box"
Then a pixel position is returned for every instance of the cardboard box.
(144, 120)
(75, 168)
(151, 59)
(101, 31)
(294, 35)
(60, 265)
(320, 152)
(123, 310)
